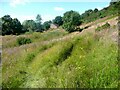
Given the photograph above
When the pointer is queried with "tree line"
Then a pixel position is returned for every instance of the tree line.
(12, 26)
(69, 21)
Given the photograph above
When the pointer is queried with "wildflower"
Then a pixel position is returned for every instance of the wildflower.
(80, 56)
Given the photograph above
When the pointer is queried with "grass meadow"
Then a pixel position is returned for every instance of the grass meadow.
(83, 61)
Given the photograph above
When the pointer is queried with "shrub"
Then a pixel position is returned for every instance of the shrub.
(23, 40)
(79, 29)
(105, 26)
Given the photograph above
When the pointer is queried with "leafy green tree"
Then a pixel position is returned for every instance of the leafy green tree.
(29, 25)
(38, 23)
(11, 26)
(6, 25)
(46, 25)
(89, 11)
(38, 19)
(95, 10)
(71, 19)
(16, 26)
(116, 5)
(113, 2)
(0, 26)
(58, 20)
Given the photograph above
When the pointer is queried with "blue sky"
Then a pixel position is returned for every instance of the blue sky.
(26, 9)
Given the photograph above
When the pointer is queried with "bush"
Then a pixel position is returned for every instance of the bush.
(105, 26)
(23, 40)
(79, 29)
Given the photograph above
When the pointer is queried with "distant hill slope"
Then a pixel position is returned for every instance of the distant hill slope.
(92, 15)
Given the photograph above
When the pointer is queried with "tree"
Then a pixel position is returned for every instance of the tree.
(0, 26)
(38, 23)
(88, 12)
(16, 26)
(29, 25)
(95, 10)
(58, 20)
(38, 19)
(71, 19)
(113, 2)
(11, 26)
(46, 25)
(6, 25)
(117, 5)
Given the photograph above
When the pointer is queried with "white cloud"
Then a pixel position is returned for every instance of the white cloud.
(59, 9)
(23, 17)
(13, 3)
(47, 17)
(99, 8)
(0, 11)
(32, 17)
(70, 0)
(63, 0)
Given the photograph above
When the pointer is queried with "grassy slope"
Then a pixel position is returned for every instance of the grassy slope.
(87, 60)
(91, 63)
(10, 40)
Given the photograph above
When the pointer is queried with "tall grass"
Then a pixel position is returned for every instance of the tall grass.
(91, 63)
(16, 62)
(46, 61)
(86, 61)
(11, 41)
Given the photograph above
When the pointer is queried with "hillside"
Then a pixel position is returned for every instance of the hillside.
(57, 59)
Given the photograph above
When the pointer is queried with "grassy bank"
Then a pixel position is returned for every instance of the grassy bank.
(11, 40)
(90, 63)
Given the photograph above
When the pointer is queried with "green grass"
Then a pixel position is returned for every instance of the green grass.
(14, 68)
(17, 59)
(11, 41)
(108, 18)
(81, 62)
(86, 61)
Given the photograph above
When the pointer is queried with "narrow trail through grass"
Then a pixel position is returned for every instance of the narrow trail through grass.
(20, 67)
(85, 65)
(53, 56)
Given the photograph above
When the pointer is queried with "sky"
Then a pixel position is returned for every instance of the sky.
(48, 9)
